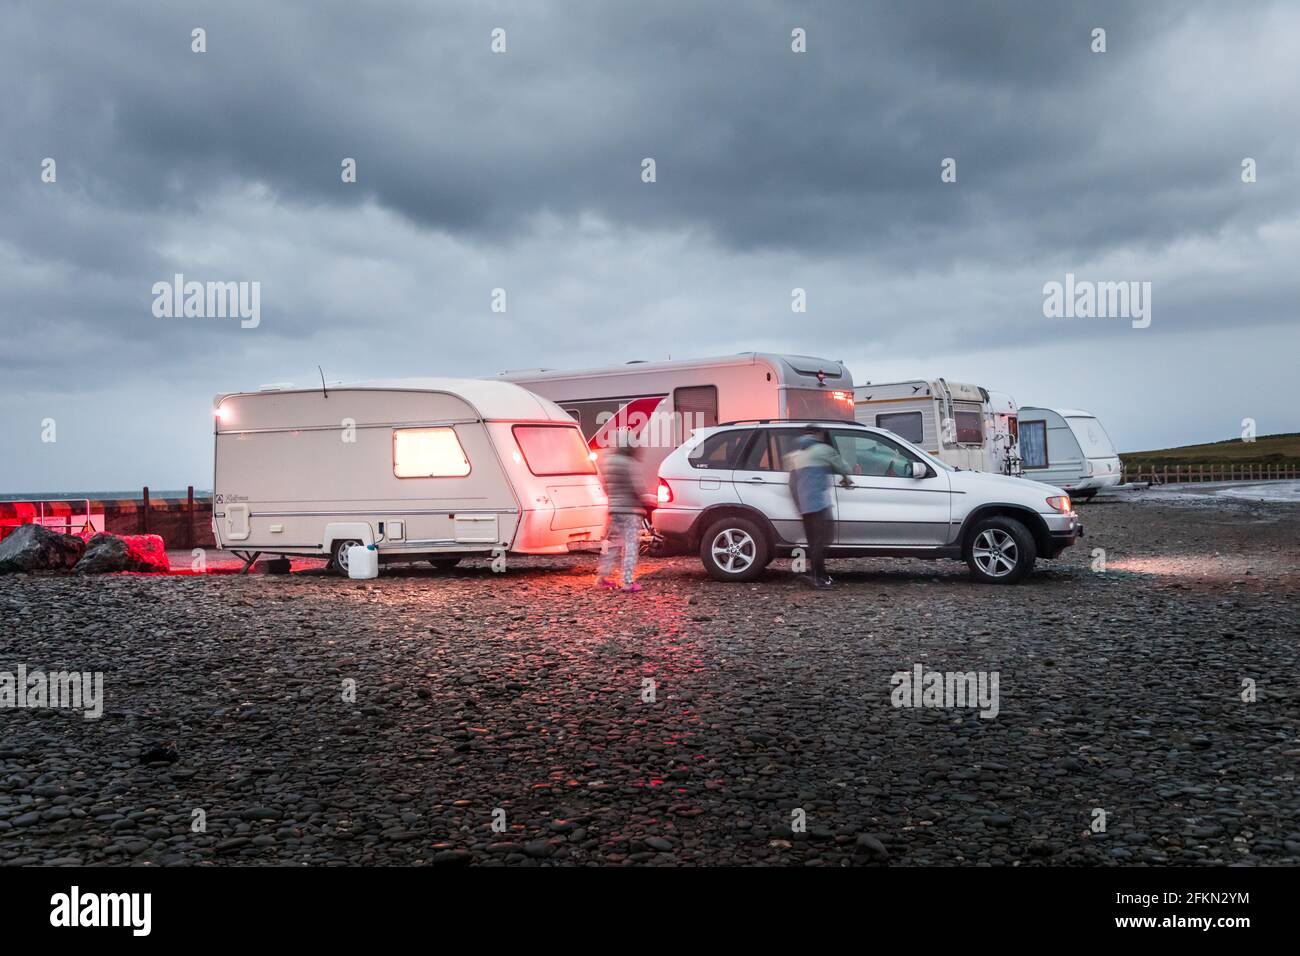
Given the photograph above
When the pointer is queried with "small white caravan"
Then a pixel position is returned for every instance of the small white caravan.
(435, 469)
(1068, 448)
(960, 424)
(656, 405)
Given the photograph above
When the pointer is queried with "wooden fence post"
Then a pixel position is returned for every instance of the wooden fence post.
(189, 516)
(144, 511)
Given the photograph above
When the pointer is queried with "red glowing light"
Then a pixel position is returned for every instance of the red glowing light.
(665, 494)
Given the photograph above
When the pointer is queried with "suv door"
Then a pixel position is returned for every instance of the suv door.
(763, 483)
(882, 508)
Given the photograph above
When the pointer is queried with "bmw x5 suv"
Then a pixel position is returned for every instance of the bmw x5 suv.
(725, 493)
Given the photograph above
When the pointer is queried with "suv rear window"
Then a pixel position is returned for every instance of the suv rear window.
(719, 451)
(554, 450)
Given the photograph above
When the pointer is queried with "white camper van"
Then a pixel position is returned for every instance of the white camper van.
(435, 469)
(1068, 448)
(959, 424)
(658, 404)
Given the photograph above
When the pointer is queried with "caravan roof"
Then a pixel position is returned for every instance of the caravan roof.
(494, 400)
(799, 364)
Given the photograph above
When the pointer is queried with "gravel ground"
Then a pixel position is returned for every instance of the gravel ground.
(521, 696)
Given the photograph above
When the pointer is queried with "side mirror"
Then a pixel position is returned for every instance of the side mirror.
(918, 469)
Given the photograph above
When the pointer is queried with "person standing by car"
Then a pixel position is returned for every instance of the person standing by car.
(811, 463)
(621, 474)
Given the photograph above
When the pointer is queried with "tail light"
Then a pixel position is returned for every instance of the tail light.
(665, 494)
(1059, 503)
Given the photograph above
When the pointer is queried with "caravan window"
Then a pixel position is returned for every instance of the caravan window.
(696, 407)
(970, 427)
(1033, 444)
(428, 453)
(906, 425)
(554, 450)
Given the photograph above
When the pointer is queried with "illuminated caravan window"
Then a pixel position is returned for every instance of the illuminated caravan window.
(428, 453)
(554, 450)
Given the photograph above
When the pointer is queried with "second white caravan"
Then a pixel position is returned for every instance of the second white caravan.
(656, 405)
(434, 469)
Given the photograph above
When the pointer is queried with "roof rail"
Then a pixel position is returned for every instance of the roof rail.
(792, 421)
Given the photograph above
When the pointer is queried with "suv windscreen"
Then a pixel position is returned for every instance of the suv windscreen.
(719, 451)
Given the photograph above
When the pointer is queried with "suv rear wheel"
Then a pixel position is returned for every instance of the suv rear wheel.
(734, 549)
(1000, 550)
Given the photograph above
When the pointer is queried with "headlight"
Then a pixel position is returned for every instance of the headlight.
(1059, 503)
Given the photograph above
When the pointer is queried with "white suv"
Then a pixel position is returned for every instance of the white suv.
(725, 493)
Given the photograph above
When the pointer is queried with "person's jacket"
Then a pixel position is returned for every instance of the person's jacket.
(811, 465)
(622, 479)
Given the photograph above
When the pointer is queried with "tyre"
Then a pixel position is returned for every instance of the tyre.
(339, 555)
(1000, 550)
(444, 564)
(1084, 495)
(734, 549)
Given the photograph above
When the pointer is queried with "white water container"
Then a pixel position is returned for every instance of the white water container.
(363, 562)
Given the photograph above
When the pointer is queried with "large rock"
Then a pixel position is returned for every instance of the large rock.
(109, 553)
(33, 548)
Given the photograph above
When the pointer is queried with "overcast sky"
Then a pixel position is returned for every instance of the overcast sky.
(523, 170)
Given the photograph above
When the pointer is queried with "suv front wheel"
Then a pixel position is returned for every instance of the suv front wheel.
(1000, 550)
(734, 549)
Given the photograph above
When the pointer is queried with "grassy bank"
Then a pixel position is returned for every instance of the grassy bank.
(1264, 450)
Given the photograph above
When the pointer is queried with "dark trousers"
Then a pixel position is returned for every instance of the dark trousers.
(817, 527)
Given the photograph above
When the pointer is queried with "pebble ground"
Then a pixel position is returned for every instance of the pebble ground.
(521, 700)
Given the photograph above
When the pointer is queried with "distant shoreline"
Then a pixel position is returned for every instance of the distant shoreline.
(102, 495)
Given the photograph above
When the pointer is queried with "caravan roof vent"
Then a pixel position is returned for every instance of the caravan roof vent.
(275, 387)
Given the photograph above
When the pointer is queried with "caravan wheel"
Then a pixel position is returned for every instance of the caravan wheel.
(444, 564)
(339, 555)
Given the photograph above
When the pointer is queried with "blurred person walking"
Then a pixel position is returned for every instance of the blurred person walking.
(620, 472)
(811, 464)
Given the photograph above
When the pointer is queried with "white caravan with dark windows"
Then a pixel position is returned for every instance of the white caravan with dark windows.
(424, 469)
(659, 404)
(1069, 448)
(960, 424)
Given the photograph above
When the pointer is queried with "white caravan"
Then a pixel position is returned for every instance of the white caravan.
(656, 405)
(962, 425)
(435, 469)
(1068, 448)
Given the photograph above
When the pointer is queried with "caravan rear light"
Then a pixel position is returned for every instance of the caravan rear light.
(665, 495)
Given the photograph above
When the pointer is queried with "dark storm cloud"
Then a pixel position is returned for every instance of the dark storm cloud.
(761, 147)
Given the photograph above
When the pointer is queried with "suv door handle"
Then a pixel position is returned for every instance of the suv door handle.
(756, 481)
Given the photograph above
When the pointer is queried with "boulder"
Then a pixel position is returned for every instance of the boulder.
(110, 553)
(31, 547)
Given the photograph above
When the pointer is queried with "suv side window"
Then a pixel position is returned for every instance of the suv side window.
(770, 447)
(761, 455)
(871, 455)
(719, 451)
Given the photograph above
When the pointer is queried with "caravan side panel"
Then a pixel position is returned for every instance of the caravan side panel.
(290, 465)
